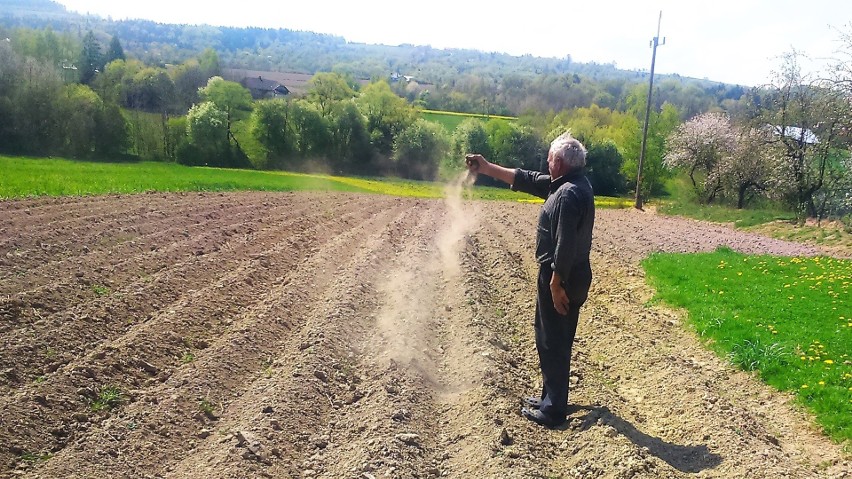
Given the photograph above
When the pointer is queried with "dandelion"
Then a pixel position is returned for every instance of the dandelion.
(802, 358)
(804, 386)
(828, 361)
(822, 383)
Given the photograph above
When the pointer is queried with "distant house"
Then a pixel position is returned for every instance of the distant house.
(264, 88)
(805, 137)
(396, 76)
(296, 84)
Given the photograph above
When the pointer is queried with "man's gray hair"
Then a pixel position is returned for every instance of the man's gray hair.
(569, 150)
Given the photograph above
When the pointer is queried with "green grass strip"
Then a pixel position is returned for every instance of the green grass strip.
(741, 218)
(24, 177)
(471, 115)
(788, 319)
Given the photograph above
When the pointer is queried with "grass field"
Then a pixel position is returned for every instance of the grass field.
(797, 336)
(722, 214)
(450, 120)
(24, 177)
(57, 177)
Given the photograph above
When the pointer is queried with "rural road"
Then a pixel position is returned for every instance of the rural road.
(316, 335)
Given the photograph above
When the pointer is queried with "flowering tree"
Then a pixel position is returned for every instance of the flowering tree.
(806, 118)
(699, 146)
(752, 168)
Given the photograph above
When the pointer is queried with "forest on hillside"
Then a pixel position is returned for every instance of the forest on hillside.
(460, 80)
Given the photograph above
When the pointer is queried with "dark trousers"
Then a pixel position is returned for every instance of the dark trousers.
(554, 336)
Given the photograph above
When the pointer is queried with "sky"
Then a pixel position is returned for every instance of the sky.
(731, 41)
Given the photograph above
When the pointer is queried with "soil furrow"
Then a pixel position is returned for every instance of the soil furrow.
(129, 303)
(29, 271)
(353, 336)
(315, 377)
(34, 253)
(257, 336)
(148, 348)
(28, 221)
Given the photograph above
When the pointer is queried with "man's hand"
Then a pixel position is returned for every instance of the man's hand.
(560, 297)
(475, 162)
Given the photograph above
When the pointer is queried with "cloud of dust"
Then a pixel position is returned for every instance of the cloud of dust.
(461, 221)
(411, 301)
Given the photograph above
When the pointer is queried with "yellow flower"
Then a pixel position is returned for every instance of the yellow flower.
(828, 361)
(802, 358)
(822, 383)
(804, 386)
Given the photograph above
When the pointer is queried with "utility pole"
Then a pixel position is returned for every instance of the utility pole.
(654, 43)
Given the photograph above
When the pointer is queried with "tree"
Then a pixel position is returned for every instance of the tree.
(80, 108)
(36, 120)
(660, 124)
(312, 133)
(387, 115)
(806, 118)
(206, 130)
(114, 51)
(270, 126)
(228, 97)
(209, 63)
(325, 89)
(470, 137)
(351, 151)
(750, 168)
(150, 89)
(188, 77)
(418, 150)
(291, 131)
(698, 146)
(604, 168)
(112, 138)
(91, 59)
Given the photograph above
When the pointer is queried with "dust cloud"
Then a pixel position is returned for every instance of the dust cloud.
(413, 291)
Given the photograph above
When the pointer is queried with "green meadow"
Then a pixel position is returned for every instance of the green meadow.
(24, 177)
(787, 319)
(450, 119)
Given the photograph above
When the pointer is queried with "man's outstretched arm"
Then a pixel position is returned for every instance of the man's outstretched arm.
(477, 163)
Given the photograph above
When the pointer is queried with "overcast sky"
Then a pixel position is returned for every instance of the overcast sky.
(733, 41)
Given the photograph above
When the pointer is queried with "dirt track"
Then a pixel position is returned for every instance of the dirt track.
(357, 336)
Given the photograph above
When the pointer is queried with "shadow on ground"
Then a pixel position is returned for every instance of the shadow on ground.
(683, 458)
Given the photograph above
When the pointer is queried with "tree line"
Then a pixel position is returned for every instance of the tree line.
(734, 151)
(458, 79)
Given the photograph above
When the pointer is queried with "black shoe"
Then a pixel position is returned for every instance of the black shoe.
(540, 418)
(531, 401)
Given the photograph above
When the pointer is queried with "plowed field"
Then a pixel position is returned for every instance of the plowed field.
(356, 336)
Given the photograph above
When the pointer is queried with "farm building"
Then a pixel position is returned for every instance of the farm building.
(264, 88)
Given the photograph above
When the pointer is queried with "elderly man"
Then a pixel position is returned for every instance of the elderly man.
(565, 274)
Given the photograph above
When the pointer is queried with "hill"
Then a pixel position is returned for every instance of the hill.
(464, 80)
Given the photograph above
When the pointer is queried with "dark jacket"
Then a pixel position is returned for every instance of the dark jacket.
(565, 224)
